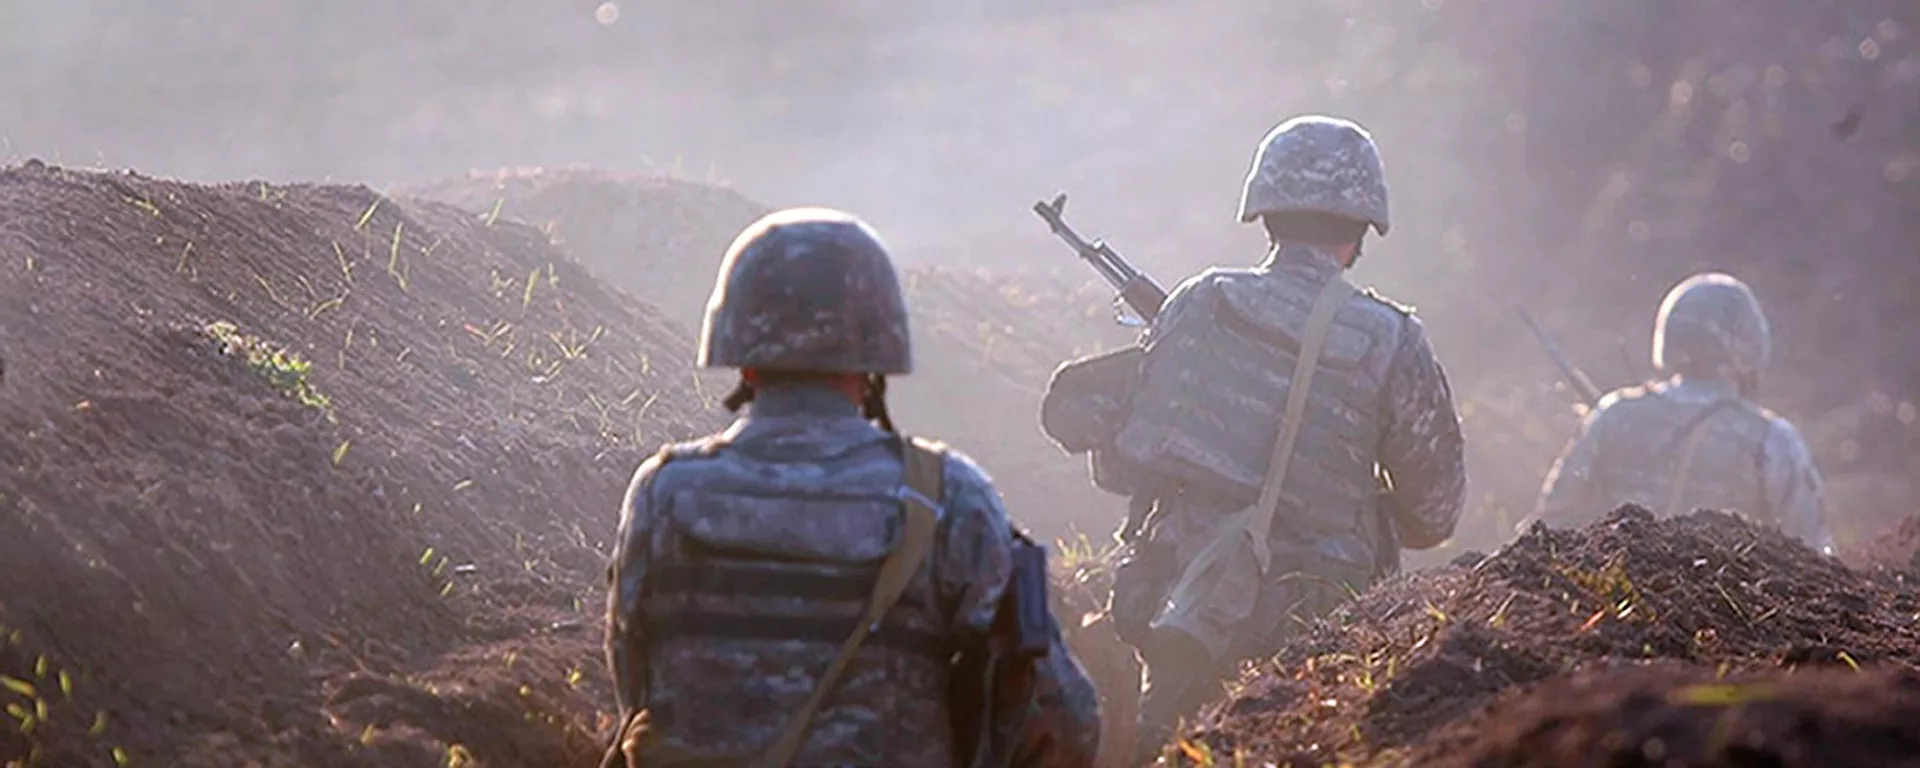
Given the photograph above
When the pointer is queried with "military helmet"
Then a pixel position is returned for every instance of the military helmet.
(807, 289)
(1320, 164)
(1710, 325)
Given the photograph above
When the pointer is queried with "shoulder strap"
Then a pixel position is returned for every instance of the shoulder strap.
(1760, 470)
(925, 477)
(1319, 323)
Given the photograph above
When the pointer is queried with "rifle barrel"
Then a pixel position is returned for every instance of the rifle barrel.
(1573, 375)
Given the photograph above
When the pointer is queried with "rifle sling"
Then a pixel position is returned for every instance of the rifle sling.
(925, 467)
(1319, 323)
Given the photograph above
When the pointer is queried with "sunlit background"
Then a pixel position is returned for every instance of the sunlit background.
(1575, 158)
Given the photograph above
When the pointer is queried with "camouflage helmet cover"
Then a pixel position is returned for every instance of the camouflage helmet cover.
(1711, 325)
(807, 289)
(1321, 164)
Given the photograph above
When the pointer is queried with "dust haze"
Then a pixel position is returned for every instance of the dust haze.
(1576, 158)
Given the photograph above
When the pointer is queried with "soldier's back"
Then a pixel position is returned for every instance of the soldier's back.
(1650, 436)
(1208, 405)
(767, 544)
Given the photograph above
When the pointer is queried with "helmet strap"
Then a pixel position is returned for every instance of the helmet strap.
(874, 406)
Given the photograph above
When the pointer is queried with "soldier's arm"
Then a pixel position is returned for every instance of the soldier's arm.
(974, 559)
(626, 572)
(1796, 488)
(1062, 727)
(1423, 450)
(1568, 495)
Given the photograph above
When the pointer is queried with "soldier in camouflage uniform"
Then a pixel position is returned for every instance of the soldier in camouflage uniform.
(1695, 439)
(1378, 462)
(743, 559)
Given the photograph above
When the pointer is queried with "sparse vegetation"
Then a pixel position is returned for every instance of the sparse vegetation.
(480, 415)
(285, 370)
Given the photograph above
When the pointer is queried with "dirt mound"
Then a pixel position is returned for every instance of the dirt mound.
(658, 237)
(1899, 549)
(264, 441)
(1667, 714)
(1415, 657)
(985, 342)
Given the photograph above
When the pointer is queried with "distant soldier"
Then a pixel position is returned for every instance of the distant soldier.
(1293, 431)
(809, 588)
(1695, 439)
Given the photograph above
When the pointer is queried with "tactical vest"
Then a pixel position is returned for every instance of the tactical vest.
(1643, 441)
(1208, 403)
(747, 603)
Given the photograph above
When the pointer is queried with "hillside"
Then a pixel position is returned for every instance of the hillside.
(304, 474)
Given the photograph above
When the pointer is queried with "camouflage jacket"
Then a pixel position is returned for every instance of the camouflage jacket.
(742, 563)
(1206, 411)
(1629, 450)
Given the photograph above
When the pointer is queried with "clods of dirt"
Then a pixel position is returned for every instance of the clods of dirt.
(1670, 716)
(1414, 661)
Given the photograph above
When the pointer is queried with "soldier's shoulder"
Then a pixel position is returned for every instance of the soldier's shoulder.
(680, 459)
(1374, 295)
(962, 471)
(1782, 432)
(964, 481)
(1624, 396)
(1210, 280)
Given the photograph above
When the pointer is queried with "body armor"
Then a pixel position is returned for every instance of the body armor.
(1641, 438)
(1207, 407)
(755, 584)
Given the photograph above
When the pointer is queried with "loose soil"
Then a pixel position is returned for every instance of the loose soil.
(403, 569)
(201, 569)
(1404, 675)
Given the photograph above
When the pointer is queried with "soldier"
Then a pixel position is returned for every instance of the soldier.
(1695, 439)
(745, 559)
(1258, 528)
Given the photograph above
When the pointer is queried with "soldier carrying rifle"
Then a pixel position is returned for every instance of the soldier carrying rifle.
(1694, 439)
(1287, 432)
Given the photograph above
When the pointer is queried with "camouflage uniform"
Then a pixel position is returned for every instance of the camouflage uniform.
(1712, 341)
(1207, 406)
(744, 559)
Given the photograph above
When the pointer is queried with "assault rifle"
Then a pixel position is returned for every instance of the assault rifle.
(1574, 377)
(1138, 291)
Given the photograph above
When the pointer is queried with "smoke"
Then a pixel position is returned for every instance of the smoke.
(1578, 157)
